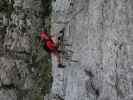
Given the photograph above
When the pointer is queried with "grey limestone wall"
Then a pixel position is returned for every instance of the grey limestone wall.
(101, 35)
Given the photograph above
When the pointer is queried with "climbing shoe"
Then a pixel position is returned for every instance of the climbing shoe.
(61, 66)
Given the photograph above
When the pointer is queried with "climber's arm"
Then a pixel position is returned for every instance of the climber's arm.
(52, 36)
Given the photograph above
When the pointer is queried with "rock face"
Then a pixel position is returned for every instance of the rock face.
(98, 51)
(100, 63)
(19, 78)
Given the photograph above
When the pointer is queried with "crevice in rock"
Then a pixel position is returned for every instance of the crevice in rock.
(18, 52)
(57, 97)
(16, 55)
(117, 88)
(119, 47)
(89, 73)
(7, 87)
(90, 87)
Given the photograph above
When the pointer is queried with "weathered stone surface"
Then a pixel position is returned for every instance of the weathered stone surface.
(99, 62)
(8, 95)
(19, 20)
(8, 73)
(100, 32)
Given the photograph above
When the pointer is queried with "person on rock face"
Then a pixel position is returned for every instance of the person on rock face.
(50, 46)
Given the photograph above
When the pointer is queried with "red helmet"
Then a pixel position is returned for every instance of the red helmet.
(43, 35)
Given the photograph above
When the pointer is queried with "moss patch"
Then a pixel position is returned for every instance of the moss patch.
(43, 61)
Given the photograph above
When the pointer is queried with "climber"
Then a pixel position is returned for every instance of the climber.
(50, 46)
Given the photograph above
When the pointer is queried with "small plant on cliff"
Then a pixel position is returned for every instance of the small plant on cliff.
(41, 59)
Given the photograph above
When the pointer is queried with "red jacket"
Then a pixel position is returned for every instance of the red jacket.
(50, 45)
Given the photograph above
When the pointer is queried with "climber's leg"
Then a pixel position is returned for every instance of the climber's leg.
(59, 59)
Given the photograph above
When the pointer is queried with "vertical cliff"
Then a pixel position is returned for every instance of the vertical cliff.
(98, 51)
(23, 76)
(101, 62)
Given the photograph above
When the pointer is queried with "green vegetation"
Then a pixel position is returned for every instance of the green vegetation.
(43, 62)
(41, 59)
